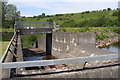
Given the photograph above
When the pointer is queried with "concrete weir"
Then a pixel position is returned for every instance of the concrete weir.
(52, 48)
(71, 45)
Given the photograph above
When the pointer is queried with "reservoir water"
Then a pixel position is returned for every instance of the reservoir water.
(115, 47)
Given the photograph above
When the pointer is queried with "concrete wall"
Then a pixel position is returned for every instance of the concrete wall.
(105, 72)
(45, 43)
(64, 42)
(42, 42)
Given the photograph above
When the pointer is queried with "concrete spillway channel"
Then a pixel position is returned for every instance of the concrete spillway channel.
(67, 45)
(31, 55)
(95, 69)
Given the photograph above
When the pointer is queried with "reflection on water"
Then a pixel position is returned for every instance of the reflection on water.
(115, 47)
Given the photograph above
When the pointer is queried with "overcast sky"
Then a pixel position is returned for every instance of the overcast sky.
(50, 7)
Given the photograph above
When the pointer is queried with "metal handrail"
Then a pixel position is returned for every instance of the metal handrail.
(7, 49)
(33, 24)
(57, 61)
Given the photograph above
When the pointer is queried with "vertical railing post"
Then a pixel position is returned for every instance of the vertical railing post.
(15, 26)
(54, 26)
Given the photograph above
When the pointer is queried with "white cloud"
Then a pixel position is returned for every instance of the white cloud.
(63, 0)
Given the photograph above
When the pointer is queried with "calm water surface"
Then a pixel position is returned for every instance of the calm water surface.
(115, 47)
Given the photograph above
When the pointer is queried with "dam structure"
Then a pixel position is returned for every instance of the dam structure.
(57, 54)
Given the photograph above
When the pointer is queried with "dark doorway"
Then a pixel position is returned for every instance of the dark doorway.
(48, 44)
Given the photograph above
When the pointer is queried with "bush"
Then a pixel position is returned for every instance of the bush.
(116, 30)
(101, 36)
(109, 9)
(115, 13)
(34, 16)
(100, 22)
(69, 23)
(87, 11)
(49, 20)
(59, 15)
(85, 29)
(63, 30)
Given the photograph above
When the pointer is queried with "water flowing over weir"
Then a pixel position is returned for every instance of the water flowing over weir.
(57, 54)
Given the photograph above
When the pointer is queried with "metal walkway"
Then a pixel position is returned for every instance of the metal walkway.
(30, 27)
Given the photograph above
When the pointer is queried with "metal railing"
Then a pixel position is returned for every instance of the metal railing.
(8, 49)
(9, 65)
(56, 61)
(33, 24)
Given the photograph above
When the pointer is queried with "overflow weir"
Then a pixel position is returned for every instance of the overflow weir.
(57, 54)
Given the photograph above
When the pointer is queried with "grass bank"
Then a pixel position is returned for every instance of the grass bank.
(101, 32)
(3, 46)
(10, 29)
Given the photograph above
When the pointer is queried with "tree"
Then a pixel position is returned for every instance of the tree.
(104, 9)
(43, 15)
(3, 10)
(12, 13)
(0, 14)
(34, 16)
(9, 15)
(109, 9)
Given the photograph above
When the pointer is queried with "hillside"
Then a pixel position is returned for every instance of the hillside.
(91, 19)
(103, 23)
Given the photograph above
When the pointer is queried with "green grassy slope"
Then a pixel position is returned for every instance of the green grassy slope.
(101, 32)
(103, 23)
(67, 20)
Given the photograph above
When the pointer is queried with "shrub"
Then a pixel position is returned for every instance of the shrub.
(109, 9)
(116, 30)
(87, 11)
(59, 15)
(49, 20)
(63, 30)
(101, 36)
(115, 13)
(104, 10)
(34, 16)
(69, 23)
